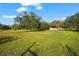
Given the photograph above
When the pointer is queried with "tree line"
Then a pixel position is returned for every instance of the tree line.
(4, 27)
(32, 22)
(71, 23)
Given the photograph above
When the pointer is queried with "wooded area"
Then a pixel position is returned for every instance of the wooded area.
(33, 22)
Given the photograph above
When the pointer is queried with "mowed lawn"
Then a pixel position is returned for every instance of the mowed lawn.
(48, 43)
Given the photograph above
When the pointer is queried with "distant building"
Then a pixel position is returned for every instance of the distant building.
(56, 29)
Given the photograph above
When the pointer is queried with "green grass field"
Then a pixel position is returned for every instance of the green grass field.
(48, 43)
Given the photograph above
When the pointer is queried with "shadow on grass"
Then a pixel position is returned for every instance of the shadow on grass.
(76, 39)
(7, 39)
(70, 51)
(28, 50)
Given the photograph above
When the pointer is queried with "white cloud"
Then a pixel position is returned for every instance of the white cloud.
(21, 9)
(37, 5)
(6, 16)
(62, 18)
(27, 4)
(39, 8)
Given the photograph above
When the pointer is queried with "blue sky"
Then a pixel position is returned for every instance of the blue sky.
(48, 11)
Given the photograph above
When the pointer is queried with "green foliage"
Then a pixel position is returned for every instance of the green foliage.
(72, 22)
(56, 24)
(14, 27)
(44, 25)
(30, 21)
(4, 27)
(1, 26)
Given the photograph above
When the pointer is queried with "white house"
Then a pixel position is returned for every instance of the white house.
(56, 29)
(53, 28)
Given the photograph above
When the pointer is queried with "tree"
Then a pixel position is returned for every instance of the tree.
(72, 22)
(35, 20)
(56, 24)
(44, 26)
(4, 27)
(1, 26)
(28, 21)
